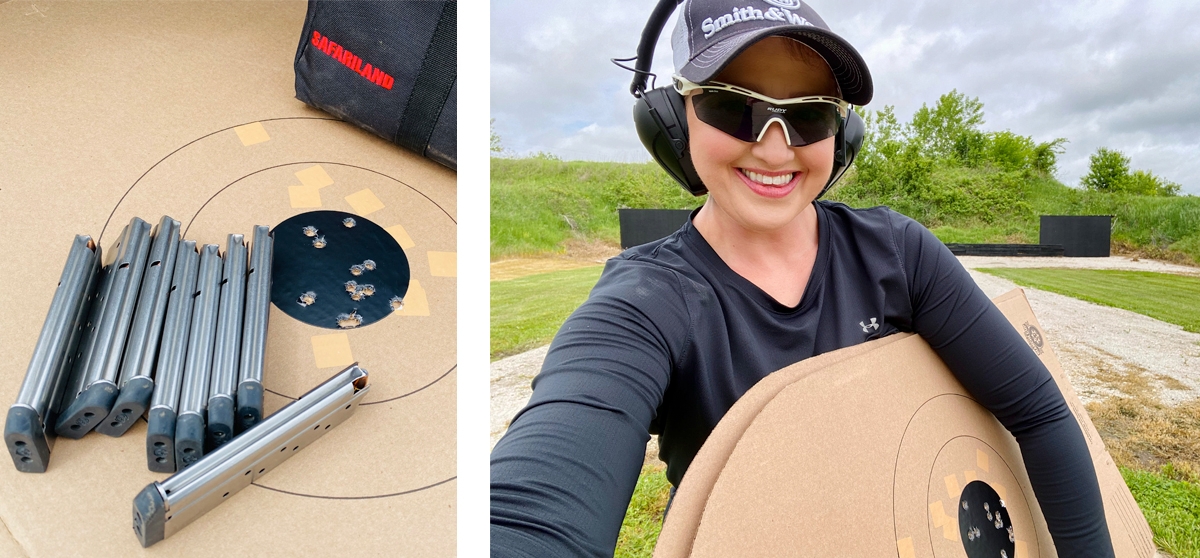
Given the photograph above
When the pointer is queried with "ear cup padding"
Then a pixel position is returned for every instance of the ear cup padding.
(849, 142)
(661, 120)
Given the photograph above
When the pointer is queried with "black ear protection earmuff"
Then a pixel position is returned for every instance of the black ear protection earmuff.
(661, 120)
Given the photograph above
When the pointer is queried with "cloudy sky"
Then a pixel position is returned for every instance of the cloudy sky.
(1113, 73)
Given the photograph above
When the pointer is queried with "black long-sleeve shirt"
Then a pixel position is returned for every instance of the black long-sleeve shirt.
(670, 338)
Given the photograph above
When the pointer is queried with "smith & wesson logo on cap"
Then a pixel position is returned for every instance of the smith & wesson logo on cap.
(781, 10)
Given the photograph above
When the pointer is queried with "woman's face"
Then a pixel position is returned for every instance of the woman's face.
(742, 177)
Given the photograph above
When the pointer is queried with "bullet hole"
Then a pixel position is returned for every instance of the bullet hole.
(319, 242)
(357, 270)
(397, 303)
(310, 231)
(307, 298)
(348, 321)
(362, 291)
(351, 286)
(349, 222)
(369, 265)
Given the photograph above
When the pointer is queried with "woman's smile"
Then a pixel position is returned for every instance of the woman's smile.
(770, 184)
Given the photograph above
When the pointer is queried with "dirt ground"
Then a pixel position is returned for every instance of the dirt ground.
(578, 254)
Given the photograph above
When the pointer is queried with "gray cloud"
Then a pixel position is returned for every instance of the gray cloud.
(1121, 74)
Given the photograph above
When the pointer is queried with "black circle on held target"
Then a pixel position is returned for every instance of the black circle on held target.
(984, 523)
(337, 270)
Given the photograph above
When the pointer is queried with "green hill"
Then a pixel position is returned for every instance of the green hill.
(539, 204)
(941, 168)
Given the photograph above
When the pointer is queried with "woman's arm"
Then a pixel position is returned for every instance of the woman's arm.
(1003, 374)
(563, 475)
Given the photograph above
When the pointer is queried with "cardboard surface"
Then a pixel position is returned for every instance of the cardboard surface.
(879, 472)
(111, 110)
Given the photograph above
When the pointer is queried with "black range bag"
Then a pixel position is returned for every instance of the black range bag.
(388, 66)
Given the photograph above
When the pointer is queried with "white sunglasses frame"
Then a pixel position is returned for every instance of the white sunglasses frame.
(685, 88)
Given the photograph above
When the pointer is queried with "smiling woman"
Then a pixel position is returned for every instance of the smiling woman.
(764, 189)
(762, 276)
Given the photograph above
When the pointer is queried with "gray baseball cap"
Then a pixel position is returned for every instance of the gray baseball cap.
(710, 33)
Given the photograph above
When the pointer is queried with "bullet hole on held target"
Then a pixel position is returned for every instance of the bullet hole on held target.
(310, 231)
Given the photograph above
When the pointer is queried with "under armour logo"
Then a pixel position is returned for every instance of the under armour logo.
(868, 327)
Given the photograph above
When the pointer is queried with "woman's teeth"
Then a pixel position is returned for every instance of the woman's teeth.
(768, 180)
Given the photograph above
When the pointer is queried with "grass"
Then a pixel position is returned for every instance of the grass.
(1156, 446)
(527, 311)
(1171, 507)
(539, 204)
(1171, 298)
(643, 519)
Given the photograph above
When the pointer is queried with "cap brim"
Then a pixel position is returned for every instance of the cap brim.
(849, 69)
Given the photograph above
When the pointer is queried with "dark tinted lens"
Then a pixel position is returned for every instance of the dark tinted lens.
(744, 117)
(726, 111)
(809, 122)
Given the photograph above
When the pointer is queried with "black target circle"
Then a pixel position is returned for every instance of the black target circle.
(984, 523)
(337, 270)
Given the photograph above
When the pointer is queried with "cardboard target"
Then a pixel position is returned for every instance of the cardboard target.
(868, 451)
(210, 134)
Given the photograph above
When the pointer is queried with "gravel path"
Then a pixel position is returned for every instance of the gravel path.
(510, 386)
(1095, 343)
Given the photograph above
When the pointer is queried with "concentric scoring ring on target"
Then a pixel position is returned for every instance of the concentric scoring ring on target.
(216, 185)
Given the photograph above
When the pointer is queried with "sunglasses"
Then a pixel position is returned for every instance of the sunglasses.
(746, 115)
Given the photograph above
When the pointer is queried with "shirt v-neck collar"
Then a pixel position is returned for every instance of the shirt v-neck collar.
(816, 278)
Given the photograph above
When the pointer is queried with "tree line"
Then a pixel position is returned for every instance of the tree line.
(900, 158)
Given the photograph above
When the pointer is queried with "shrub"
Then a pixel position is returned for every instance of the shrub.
(1108, 171)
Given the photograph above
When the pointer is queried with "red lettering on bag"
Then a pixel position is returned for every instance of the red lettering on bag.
(350, 60)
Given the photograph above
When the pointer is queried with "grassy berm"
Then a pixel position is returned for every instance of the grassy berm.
(542, 206)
